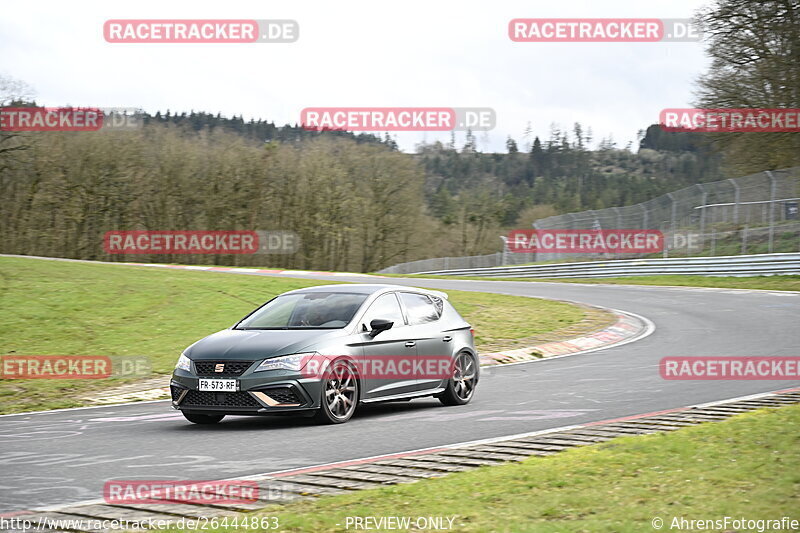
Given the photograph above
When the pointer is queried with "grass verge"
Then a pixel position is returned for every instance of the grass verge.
(70, 308)
(746, 466)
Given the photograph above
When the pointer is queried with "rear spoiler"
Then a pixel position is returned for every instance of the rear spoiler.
(440, 294)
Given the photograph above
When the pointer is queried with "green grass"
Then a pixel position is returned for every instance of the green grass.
(501, 321)
(70, 308)
(747, 466)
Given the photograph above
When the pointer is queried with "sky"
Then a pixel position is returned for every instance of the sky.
(432, 53)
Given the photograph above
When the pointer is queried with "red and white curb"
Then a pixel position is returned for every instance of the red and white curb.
(628, 327)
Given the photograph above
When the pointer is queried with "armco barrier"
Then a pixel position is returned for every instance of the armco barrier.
(733, 265)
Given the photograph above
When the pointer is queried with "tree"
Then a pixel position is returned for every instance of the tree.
(754, 47)
(511, 145)
(470, 144)
(526, 136)
(579, 138)
(390, 142)
(607, 143)
(12, 93)
(537, 158)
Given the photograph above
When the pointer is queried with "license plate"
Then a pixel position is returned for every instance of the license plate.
(218, 385)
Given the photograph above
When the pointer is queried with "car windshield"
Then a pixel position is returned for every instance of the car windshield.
(310, 310)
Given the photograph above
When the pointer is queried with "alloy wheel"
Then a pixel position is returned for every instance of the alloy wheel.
(341, 391)
(464, 376)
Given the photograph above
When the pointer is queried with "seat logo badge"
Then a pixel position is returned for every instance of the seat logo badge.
(220, 367)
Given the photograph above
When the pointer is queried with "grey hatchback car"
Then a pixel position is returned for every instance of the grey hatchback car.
(322, 351)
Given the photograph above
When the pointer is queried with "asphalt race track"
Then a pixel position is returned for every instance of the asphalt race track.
(64, 457)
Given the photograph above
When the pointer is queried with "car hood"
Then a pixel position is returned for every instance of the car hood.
(252, 345)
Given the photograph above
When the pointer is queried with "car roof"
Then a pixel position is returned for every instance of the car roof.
(366, 288)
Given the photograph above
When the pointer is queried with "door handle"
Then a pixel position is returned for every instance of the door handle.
(410, 344)
(447, 338)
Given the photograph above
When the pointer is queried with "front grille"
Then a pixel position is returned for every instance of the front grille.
(283, 395)
(176, 392)
(196, 398)
(231, 368)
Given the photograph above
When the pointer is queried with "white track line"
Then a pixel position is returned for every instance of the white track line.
(416, 451)
(108, 406)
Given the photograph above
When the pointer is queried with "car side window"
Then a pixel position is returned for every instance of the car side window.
(385, 306)
(419, 307)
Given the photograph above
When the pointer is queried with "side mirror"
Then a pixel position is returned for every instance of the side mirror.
(378, 325)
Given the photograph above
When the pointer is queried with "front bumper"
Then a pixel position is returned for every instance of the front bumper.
(260, 393)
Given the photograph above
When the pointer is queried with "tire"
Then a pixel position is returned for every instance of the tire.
(339, 396)
(202, 419)
(461, 387)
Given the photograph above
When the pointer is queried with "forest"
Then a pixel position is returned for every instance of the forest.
(356, 201)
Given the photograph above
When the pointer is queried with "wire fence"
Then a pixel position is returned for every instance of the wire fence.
(748, 215)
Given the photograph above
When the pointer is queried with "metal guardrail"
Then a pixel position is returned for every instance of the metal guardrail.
(732, 265)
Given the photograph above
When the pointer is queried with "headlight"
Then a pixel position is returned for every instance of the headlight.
(184, 363)
(294, 362)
